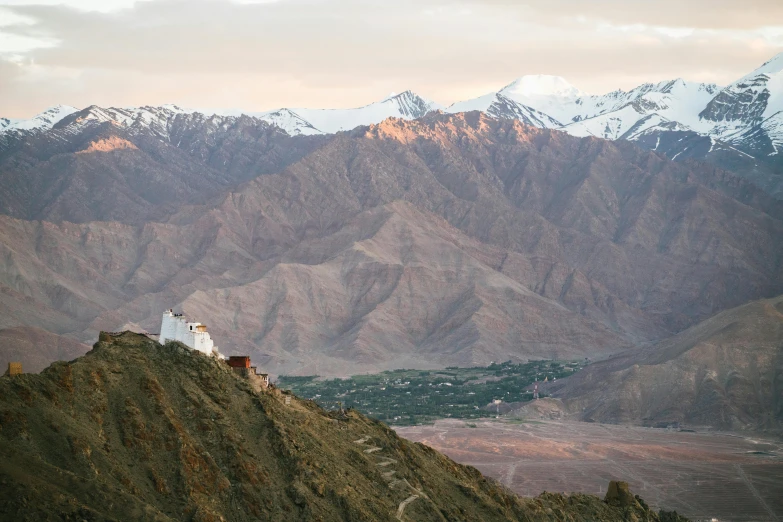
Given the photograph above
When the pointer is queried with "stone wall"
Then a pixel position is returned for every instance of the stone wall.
(259, 381)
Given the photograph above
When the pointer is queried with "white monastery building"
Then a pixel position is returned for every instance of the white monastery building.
(175, 327)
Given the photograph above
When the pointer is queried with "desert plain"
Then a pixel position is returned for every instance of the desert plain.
(702, 475)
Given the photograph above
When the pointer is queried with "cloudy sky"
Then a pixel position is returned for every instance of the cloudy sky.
(265, 54)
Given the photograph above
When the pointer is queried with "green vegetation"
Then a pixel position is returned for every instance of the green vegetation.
(405, 397)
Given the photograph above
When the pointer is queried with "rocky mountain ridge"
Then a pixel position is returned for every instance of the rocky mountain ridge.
(139, 165)
(742, 122)
(448, 240)
(139, 431)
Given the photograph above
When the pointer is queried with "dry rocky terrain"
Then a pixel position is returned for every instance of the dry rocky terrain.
(726, 372)
(449, 240)
(138, 431)
(705, 476)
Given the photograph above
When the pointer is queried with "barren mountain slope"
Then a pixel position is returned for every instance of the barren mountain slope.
(647, 229)
(99, 164)
(725, 372)
(396, 287)
(138, 431)
(392, 286)
(455, 238)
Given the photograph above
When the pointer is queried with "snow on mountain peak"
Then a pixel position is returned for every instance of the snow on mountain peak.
(541, 85)
(775, 65)
(411, 105)
(726, 113)
(45, 120)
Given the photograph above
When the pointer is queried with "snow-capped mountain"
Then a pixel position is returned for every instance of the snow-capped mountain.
(739, 126)
(550, 95)
(46, 120)
(749, 112)
(500, 106)
(407, 105)
(156, 119)
(613, 115)
(608, 116)
(678, 118)
(291, 122)
(305, 122)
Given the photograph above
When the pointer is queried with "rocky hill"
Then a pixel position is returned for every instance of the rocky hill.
(139, 431)
(448, 240)
(726, 372)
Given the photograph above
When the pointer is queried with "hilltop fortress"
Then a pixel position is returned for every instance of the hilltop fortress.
(174, 327)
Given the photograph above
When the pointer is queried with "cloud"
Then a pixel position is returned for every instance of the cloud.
(337, 53)
(704, 14)
(83, 5)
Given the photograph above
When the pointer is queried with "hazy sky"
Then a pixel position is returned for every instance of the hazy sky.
(265, 54)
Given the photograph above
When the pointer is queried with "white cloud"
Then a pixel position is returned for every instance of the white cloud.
(8, 17)
(675, 32)
(15, 44)
(338, 53)
(773, 34)
(104, 6)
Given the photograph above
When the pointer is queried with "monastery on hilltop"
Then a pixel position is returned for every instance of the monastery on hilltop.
(174, 327)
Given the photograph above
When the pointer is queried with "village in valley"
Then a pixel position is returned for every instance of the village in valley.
(409, 397)
(396, 397)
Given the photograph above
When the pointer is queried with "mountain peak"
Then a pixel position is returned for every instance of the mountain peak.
(774, 65)
(411, 105)
(407, 95)
(44, 120)
(404, 94)
(541, 85)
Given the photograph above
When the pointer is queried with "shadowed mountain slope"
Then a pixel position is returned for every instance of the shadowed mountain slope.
(726, 372)
(138, 431)
(106, 165)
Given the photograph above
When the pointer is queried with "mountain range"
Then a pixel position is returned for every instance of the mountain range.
(452, 239)
(506, 227)
(738, 126)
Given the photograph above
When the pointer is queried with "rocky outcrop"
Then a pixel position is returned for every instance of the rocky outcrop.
(618, 494)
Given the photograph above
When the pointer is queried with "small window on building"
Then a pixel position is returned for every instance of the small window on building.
(191, 327)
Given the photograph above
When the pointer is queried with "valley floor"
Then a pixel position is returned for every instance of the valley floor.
(701, 475)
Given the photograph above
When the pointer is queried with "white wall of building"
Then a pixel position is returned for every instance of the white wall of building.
(177, 328)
